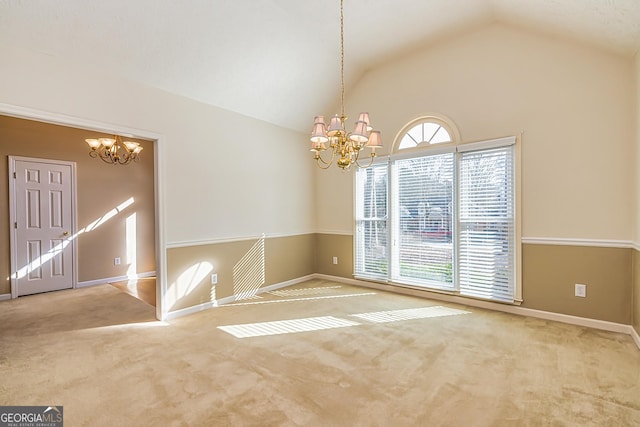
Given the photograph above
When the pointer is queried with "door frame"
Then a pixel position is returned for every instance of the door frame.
(13, 233)
(159, 178)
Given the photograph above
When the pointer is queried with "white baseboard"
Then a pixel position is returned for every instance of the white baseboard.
(113, 279)
(189, 310)
(5, 297)
(635, 336)
(521, 311)
(226, 300)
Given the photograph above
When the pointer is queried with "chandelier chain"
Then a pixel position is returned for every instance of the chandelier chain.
(345, 147)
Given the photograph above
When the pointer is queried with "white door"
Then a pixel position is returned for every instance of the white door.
(42, 215)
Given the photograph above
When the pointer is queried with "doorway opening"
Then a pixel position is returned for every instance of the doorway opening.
(118, 220)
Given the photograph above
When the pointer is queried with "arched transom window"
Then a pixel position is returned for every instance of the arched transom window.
(426, 131)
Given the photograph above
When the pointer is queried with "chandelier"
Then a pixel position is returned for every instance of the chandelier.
(114, 150)
(345, 146)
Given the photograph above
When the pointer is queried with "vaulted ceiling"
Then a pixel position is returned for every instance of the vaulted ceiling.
(278, 60)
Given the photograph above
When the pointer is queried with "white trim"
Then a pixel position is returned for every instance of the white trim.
(517, 171)
(13, 250)
(226, 300)
(495, 306)
(626, 244)
(160, 243)
(187, 243)
(159, 178)
(106, 280)
(336, 232)
(189, 310)
(63, 119)
(5, 297)
(486, 145)
(422, 151)
(635, 336)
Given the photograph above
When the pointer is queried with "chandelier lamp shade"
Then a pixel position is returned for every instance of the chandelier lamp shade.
(114, 150)
(345, 147)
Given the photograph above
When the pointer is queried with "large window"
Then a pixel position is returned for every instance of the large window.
(440, 217)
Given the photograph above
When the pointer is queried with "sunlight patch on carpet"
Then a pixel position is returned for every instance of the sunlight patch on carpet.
(286, 326)
(410, 313)
(304, 291)
(234, 304)
(137, 325)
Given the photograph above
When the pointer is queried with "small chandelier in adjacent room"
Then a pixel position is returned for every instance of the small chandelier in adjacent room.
(114, 150)
(345, 146)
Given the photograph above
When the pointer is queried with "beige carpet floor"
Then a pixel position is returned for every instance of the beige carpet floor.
(316, 354)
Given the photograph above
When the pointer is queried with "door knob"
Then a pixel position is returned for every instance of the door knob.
(66, 233)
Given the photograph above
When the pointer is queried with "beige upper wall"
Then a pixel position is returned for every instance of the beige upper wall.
(214, 161)
(574, 103)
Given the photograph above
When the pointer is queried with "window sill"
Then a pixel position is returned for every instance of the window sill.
(427, 291)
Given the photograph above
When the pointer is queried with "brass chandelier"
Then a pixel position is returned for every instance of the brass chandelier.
(345, 146)
(114, 150)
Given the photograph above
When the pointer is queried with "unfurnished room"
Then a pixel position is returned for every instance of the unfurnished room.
(327, 213)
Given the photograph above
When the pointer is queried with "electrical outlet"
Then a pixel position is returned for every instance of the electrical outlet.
(581, 290)
(335, 260)
(116, 261)
(214, 278)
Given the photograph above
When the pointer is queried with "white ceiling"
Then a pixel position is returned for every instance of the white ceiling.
(278, 60)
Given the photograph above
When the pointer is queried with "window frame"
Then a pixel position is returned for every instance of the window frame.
(393, 212)
(357, 239)
(440, 120)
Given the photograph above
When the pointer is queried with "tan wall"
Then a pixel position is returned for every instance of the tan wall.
(550, 273)
(242, 267)
(338, 245)
(100, 188)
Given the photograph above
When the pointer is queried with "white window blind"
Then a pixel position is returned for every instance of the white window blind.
(371, 251)
(442, 217)
(487, 224)
(423, 193)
